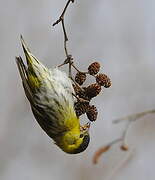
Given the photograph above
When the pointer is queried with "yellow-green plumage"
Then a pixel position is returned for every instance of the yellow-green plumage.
(50, 95)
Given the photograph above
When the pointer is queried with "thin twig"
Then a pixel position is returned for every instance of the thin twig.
(122, 139)
(61, 19)
(75, 68)
(80, 99)
(134, 117)
(124, 134)
(65, 38)
(130, 119)
(78, 69)
(122, 163)
(69, 57)
(104, 149)
(70, 71)
(63, 12)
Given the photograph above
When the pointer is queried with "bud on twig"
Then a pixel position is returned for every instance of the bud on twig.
(99, 152)
(124, 147)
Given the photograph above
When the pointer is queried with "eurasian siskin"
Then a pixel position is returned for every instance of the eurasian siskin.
(49, 92)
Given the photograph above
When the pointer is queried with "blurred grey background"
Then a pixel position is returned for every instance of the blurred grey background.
(120, 35)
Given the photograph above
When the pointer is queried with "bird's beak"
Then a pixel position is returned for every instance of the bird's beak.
(85, 127)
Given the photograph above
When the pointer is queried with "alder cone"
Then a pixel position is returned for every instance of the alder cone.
(103, 80)
(92, 113)
(80, 77)
(80, 108)
(94, 68)
(93, 90)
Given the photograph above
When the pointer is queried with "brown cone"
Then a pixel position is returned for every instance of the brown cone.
(80, 108)
(93, 90)
(103, 80)
(80, 78)
(92, 113)
(94, 68)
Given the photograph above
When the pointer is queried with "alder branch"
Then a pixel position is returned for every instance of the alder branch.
(63, 13)
(69, 58)
(130, 119)
(104, 149)
(134, 117)
(61, 19)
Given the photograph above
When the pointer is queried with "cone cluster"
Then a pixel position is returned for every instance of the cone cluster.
(89, 92)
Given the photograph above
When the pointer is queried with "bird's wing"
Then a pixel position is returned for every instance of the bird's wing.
(54, 109)
(23, 73)
(49, 93)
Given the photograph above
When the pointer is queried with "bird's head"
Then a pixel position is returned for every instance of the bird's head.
(84, 139)
(75, 141)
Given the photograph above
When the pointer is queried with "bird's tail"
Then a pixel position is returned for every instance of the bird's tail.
(29, 57)
(34, 71)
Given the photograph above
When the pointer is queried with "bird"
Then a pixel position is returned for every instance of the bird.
(50, 94)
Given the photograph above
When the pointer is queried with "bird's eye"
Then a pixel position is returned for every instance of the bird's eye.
(81, 135)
